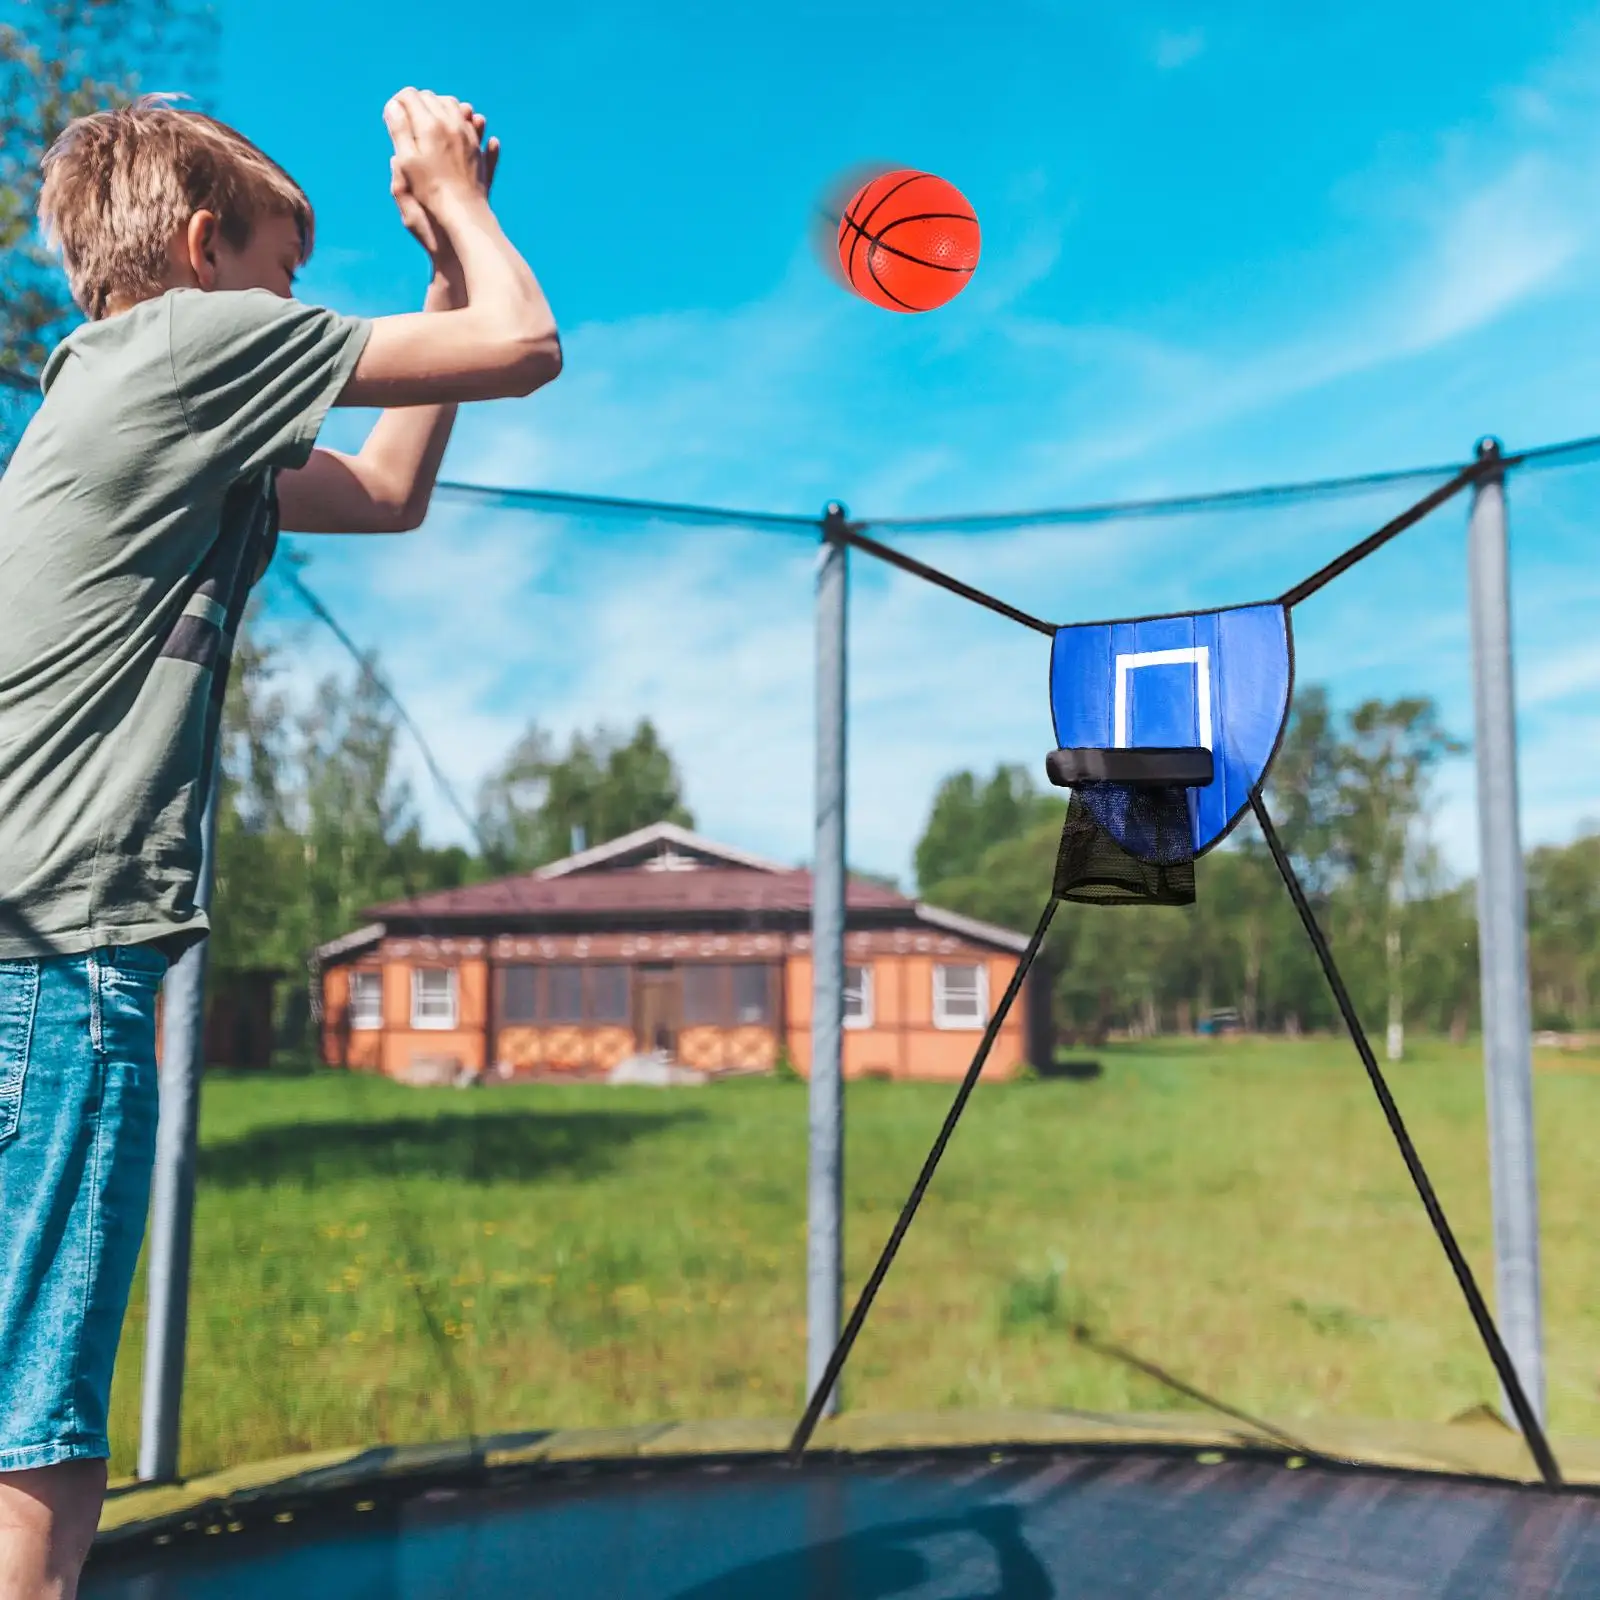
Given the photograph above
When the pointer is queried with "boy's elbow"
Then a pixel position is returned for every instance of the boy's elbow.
(402, 511)
(537, 362)
(410, 516)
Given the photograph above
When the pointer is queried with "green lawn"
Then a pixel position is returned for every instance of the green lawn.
(377, 1263)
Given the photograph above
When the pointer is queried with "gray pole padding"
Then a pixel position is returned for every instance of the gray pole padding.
(825, 1187)
(1503, 943)
(172, 1193)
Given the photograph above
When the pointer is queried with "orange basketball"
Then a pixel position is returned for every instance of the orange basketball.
(908, 241)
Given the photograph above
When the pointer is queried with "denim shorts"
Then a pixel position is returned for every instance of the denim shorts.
(78, 1106)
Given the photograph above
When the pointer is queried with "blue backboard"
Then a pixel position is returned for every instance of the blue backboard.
(1220, 679)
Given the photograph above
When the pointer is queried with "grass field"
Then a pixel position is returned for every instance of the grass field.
(377, 1263)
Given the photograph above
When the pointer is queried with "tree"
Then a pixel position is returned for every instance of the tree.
(1386, 764)
(315, 824)
(1441, 971)
(1564, 932)
(357, 817)
(1303, 789)
(538, 803)
(969, 817)
(256, 869)
(1243, 906)
(62, 59)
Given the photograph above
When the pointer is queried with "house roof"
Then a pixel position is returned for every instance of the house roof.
(659, 874)
(351, 944)
(661, 847)
(636, 891)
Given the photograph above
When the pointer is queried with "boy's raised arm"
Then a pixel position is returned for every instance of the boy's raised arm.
(504, 341)
(485, 336)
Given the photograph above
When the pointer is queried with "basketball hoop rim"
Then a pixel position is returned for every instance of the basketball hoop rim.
(1133, 767)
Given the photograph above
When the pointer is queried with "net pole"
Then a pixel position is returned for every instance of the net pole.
(825, 1166)
(172, 1190)
(1503, 940)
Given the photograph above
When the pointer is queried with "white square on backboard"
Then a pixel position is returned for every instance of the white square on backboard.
(1199, 656)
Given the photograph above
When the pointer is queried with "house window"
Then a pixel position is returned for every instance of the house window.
(519, 1000)
(563, 994)
(519, 994)
(752, 997)
(722, 997)
(433, 997)
(705, 992)
(608, 994)
(366, 999)
(858, 997)
(960, 996)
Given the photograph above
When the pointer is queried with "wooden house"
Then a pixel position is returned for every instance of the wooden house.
(663, 941)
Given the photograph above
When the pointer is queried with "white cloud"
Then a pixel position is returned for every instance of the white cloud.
(1532, 106)
(1483, 255)
(1502, 244)
(1555, 675)
(1174, 49)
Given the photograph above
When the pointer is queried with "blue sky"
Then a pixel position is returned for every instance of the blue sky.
(1220, 247)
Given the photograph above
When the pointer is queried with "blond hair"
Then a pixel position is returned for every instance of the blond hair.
(119, 186)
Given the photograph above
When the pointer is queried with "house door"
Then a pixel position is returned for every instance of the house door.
(656, 1025)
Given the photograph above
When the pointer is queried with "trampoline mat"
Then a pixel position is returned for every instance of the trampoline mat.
(1111, 1526)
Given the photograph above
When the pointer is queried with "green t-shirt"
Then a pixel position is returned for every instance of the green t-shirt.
(136, 514)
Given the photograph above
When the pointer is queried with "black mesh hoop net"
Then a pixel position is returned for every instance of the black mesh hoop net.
(1092, 868)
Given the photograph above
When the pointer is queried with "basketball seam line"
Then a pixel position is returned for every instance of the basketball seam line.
(905, 305)
(861, 226)
(878, 244)
(931, 216)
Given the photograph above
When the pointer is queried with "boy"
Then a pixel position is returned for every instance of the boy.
(175, 438)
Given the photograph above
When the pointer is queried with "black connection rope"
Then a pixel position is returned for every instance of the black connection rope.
(1487, 1331)
(841, 1351)
(1486, 466)
(943, 580)
(1490, 463)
